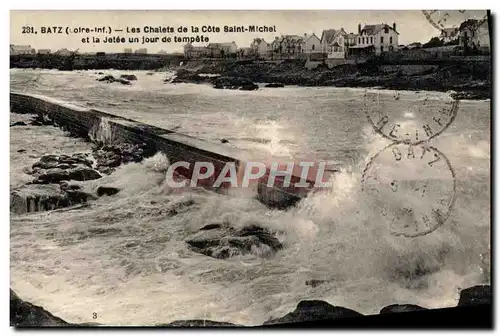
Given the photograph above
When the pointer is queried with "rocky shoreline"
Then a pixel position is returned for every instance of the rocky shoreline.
(26, 314)
(467, 80)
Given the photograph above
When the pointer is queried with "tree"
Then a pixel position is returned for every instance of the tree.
(434, 42)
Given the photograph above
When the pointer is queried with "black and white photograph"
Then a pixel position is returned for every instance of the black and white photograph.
(250, 168)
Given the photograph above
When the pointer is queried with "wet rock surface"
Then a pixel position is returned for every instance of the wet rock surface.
(25, 314)
(313, 310)
(129, 77)
(400, 308)
(35, 198)
(111, 79)
(222, 242)
(475, 295)
(107, 191)
(57, 168)
(110, 156)
(199, 323)
(275, 85)
(234, 83)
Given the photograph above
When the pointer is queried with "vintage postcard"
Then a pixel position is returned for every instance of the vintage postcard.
(250, 168)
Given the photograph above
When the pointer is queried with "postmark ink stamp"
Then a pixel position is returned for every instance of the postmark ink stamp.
(410, 122)
(413, 187)
(445, 19)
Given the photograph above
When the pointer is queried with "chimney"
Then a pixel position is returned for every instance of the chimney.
(394, 25)
(359, 28)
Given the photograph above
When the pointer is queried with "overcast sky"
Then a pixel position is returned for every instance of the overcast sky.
(412, 25)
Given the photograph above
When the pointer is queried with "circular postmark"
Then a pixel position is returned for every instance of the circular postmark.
(412, 186)
(411, 120)
(448, 19)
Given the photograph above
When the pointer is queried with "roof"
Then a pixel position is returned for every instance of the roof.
(374, 29)
(20, 47)
(307, 37)
(259, 40)
(330, 35)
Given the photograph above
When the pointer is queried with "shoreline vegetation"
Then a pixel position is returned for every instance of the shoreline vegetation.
(466, 78)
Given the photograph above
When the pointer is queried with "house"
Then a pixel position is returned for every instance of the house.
(195, 52)
(449, 34)
(162, 52)
(333, 42)
(377, 38)
(127, 50)
(43, 51)
(482, 36)
(64, 52)
(259, 47)
(287, 44)
(246, 52)
(474, 35)
(21, 50)
(311, 44)
(222, 49)
(141, 51)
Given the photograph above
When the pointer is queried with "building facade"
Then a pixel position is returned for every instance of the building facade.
(379, 37)
(259, 47)
(21, 50)
(449, 34)
(311, 44)
(333, 42)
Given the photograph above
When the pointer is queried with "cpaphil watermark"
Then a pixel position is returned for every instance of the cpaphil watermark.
(301, 175)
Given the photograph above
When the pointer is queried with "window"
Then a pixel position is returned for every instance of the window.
(371, 39)
(363, 40)
(381, 48)
(359, 40)
(313, 47)
(390, 40)
(386, 30)
(381, 39)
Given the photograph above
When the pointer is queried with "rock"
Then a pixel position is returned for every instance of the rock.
(107, 78)
(54, 175)
(25, 314)
(21, 150)
(129, 77)
(18, 123)
(221, 242)
(400, 308)
(83, 173)
(314, 310)
(66, 186)
(44, 197)
(315, 283)
(249, 87)
(234, 83)
(274, 85)
(480, 294)
(123, 81)
(198, 323)
(224, 140)
(108, 191)
(64, 166)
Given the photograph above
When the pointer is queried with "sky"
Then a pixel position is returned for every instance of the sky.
(412, 26)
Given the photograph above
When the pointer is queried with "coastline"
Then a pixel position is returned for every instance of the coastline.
(472, 82)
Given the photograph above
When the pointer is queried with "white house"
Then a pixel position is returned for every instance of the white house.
(21, 50)
(259, 47)
(311, 44)
(333, 42)
(127, 50)
(195, 52)
(141, 51)
(380, 37)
